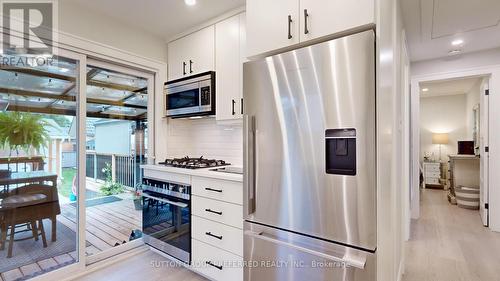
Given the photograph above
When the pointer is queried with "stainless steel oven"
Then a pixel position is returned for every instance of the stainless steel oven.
(166, 217)
(191, 96)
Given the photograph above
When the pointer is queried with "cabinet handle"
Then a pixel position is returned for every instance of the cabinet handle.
(306, 15)
(212, 211)
(183, 68)
(190, 66)
(212, 235)
(241, 105)
(289, 27)
(233, 103)
(211, 189)
(219, 267)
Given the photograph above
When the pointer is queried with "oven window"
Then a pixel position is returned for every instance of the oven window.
(167, 222)
(183, 99)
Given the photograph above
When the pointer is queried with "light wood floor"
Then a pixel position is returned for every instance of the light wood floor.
(148, 266)
(449, 243)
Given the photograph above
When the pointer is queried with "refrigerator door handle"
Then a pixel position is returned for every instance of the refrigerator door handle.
(249, 138)
(357, 262)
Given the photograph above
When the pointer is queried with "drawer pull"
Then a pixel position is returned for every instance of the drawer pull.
(212, 211)
(215, 190)
(215, 236)
(219, 267)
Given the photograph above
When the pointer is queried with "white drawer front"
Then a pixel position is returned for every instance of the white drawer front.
(166, 176)
(219, 235)
(432, 181)
(229, 191)
(432, 174)
(227, 213)
(228, 267)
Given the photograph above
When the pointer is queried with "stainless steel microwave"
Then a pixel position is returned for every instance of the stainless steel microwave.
(191, 96)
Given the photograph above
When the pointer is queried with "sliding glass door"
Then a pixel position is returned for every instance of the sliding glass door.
(116, 146)
(42, 162)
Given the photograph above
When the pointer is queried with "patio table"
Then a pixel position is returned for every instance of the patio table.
(28, 177)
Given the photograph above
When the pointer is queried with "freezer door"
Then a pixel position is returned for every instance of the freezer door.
(272, 254)
(309, 139)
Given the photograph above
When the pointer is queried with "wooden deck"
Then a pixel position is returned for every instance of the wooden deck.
(106, 225)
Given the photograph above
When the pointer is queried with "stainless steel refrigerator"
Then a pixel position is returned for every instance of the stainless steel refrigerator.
(310, 163)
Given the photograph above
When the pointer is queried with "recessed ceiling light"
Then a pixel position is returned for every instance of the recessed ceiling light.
(457, 42)
(190, 2)
(425, 90)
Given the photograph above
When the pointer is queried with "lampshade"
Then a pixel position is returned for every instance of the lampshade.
(440, 138)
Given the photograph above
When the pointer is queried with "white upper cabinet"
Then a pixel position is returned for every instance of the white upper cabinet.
(271, 25)
(268, 27)
(192, 54)
(320, 18)
(229, 67)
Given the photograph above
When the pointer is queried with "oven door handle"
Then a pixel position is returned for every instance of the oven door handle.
(178, 204)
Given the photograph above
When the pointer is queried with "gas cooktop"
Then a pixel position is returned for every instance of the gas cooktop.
(193, 163)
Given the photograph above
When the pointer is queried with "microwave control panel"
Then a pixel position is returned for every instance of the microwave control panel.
(205, 96)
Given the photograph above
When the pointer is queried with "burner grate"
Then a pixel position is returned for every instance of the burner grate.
(193, 163)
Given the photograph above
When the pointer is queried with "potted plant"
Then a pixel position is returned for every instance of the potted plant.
(22, 131)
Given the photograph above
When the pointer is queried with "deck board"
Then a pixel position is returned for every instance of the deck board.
(106, 224)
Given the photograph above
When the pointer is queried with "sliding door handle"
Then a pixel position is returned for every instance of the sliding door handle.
(184, 68)
(290, 27)
(306, 16)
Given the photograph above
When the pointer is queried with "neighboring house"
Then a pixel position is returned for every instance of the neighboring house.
(113, 137)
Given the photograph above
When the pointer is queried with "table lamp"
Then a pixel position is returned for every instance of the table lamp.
(440, 139)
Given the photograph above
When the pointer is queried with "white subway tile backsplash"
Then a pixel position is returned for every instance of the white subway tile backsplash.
(204, 137)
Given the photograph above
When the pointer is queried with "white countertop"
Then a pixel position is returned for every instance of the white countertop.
(205, 172)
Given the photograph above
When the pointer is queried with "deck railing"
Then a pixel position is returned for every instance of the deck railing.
(125, 168)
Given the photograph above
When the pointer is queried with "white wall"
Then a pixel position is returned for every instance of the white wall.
(81, 22)
(443, 114)
(390, 227)
(450, 64)
(203, 137)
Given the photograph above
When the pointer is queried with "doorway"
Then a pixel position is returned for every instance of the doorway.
(449, 239)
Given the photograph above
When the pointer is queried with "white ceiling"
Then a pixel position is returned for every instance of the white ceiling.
(431, 26)
(164, 18)
(448, 87)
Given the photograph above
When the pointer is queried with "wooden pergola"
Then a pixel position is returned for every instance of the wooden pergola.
(119, 102)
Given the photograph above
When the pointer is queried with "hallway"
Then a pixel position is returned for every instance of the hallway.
(448, 243)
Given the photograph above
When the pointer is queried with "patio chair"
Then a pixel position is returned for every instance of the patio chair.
(48, 209)
(21, 211)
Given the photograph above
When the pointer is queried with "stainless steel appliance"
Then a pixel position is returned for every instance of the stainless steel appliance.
(310, 163)
(191, 96)
(166, 217)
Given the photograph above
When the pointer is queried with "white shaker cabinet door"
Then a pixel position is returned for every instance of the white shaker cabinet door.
(271, 25)
(320, 18)
(228, 68)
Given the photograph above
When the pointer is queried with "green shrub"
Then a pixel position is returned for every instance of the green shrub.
(110, 187)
